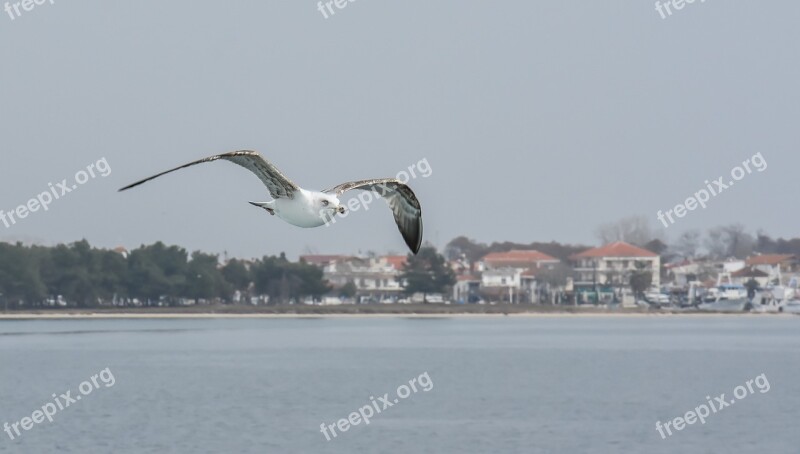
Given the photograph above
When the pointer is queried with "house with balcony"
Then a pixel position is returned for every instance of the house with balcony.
(744, 275)
(511, 276)
(604, 272)
(773, 264)
(683, 272)
(467, 289)
(523, 259)
(322, 260)
(502, 284)
(375, 278)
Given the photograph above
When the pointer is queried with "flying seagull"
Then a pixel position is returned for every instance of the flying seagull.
(306, 208)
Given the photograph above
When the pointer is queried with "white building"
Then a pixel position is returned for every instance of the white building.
(609, 268)
(683, 272)
(467, 289)
(502, 278)
(376, 279)
(525, 259)
(773, 264)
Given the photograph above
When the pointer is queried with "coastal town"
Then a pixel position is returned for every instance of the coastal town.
(607, 275)
(722, 270)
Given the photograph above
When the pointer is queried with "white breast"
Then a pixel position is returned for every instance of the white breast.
(300, 210)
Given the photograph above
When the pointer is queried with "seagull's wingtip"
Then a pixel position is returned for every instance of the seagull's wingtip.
(132, 185)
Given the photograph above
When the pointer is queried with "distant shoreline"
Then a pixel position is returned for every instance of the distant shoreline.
(352, 311)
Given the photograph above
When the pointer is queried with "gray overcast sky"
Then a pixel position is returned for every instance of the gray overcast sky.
(540, 120)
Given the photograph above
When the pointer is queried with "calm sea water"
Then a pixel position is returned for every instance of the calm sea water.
(500, 385)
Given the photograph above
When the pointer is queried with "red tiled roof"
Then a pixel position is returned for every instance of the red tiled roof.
(518, 256)
(749, 272)
(769, 259)
(467, 277)
(618, 249)
(397, 261)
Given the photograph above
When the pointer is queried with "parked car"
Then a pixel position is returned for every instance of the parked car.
(435, 298)
(655, 296)
(427, 298)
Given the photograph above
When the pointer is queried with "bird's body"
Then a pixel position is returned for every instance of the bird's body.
(307, 209)
(302, 210)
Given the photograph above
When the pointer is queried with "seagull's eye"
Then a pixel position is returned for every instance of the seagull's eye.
(325, 203)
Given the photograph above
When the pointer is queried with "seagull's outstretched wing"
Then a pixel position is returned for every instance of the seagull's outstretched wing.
(278, 185)
(405, 206)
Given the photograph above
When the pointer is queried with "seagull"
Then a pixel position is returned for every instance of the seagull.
(307, 208)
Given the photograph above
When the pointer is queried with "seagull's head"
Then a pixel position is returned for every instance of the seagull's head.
(330, 205)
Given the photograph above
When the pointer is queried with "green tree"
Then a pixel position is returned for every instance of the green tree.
(427, 272)
(157, 270)
(20, 281)
(284, 281)
(348, 290)
(641, 279)
(310, 280)
(268, 273)
(112, 277)
(72, 271)
(237, 274)
(204, 279)
(751, 286)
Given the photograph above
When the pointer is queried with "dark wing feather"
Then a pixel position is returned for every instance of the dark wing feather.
(278, 185)
(401, 199)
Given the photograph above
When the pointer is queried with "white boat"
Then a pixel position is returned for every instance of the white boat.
(725, 305)
(732, 291)
(726, 290)
(766, 302)
(791, 307)
(777, 298)
(780, 291)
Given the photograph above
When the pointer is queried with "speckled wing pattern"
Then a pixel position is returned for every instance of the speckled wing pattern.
(277, 184)
(401, 199)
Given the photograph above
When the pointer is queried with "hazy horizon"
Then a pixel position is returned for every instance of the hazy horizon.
(540, 121)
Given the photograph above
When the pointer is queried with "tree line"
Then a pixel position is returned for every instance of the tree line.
(34, 276)
(159, 275)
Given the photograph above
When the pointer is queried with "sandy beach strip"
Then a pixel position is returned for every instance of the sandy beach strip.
(254, 315)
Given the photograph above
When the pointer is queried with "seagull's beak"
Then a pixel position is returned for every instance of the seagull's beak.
(341, 209)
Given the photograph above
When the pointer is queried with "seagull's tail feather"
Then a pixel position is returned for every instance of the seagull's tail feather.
(269, 206)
